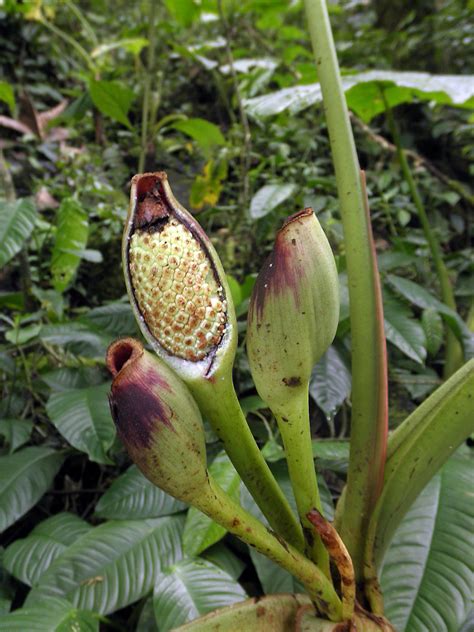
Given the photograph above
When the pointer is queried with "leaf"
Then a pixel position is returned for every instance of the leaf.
(7, 95)
(220, 555)
(16, 432)
(269, 197)
(363, 93)
(78, 338)
(17, 220)
(54, 615)
(112, 99)
(428, 571)
(67, 378)
(183, 11)
(72, 233)
(433, 327)
(131, 495)
(331, 454)
(116, 319)
(83, 417)
(402, 330)
(206, 134)
(113, 564)
(330, 382)
(27, 559)
(192, 588)
(24, 477)
(200, 532)
(21, 335)
(132, 45)
(419, 296)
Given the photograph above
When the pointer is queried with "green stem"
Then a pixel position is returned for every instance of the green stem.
(71, 42)
(82, 19)
(294, 426)
(147, 85)
(417, 449)
(219, 403)
(217, 505)
(368, 432)
(454, 353)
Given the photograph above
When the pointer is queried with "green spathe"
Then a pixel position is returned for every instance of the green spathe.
(294, 310)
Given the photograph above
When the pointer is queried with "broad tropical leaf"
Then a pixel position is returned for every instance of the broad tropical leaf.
(363, 93)
(330, 382)
(132, 496)
(83, 417)
(222, 556)
(16, 432)
(206, 134)
(72, 233)
(433, 327)
(112, 99)
(190, 589)
(112, 565)
(53, 615)
(419, 296)
(402, 330)
(428, 572)
(200, 531)
(24, 477)
(79, 338)
(17, 220)
(115, 318)
(269, 197)
(27, 559)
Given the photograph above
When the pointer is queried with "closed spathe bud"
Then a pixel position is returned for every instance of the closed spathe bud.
(294, 309)
(157, 420)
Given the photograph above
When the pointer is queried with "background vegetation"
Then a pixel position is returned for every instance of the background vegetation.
(93, 92)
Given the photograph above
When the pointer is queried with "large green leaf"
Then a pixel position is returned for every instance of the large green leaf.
(131, 495)
(16, 432)
(54, 615)
(402, 330)
(24, 477)
(200, 531)
(115, 318)
(206, 134)
(363, 93)
(330, 382)
(83, 417)
(112, 99)
(112, 565)
(269, 197)
(220, 555)
(190, 589)
(27, 559)
(7, 95)
(72, 233)
(17, 220)
(78, 338)
(419, 296)
(428, 572)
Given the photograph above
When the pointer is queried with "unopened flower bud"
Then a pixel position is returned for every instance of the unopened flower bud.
(294, 309)
(175, 280)
(157, 420)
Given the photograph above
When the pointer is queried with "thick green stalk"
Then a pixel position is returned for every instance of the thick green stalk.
(147, 85)
(368, 429)
(453, 354)
(220, 404)
(417, 449)
(294, 427)
(216, 504)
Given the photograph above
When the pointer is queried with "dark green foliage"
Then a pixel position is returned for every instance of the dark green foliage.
(77, 520)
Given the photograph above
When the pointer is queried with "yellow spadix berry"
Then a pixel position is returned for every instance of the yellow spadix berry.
(176, 283)
(176, 290)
